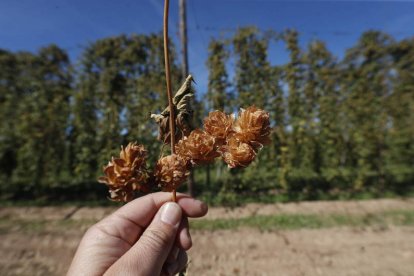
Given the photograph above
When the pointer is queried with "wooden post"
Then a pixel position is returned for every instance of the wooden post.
(183, 37)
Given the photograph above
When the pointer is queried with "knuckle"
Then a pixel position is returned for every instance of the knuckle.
(94, 230)
(155, 239)
(100, 230)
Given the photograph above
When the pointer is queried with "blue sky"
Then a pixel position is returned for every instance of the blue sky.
(72, 24)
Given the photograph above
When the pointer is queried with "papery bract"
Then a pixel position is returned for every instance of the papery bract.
(219, 125)
(237, 154)
(198, 148)
(127, 174)
(253, 126)
(170, 172)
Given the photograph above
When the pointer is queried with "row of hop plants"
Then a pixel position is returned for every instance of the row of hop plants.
(236, 141)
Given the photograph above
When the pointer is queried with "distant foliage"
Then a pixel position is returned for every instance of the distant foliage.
(339, 127)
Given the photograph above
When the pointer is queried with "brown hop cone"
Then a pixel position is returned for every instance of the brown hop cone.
(198, 148)
(219, 125)
(170, 172)
(134, 155)
(126, 174)
(253, 127)
(237, 154)
(123, 194)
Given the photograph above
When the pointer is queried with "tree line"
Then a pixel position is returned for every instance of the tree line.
(340, 126)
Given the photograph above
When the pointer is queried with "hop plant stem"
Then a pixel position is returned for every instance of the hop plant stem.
(168, 81)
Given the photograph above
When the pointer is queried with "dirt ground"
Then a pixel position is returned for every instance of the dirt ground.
(28, 249)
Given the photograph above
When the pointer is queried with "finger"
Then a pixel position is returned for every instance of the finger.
(178, 266)
(129, 221)
(149, 205)
(150, 252)
(116, 234)
(183, 239)
(172, 257)
(192, 208)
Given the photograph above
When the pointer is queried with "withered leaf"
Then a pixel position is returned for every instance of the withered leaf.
(182, 114)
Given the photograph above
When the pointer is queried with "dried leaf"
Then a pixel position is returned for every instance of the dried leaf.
(182, 114)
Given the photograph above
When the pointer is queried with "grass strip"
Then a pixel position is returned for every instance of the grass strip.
(264, 223)
(310, 221)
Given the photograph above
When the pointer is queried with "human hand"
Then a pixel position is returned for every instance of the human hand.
(147, 236)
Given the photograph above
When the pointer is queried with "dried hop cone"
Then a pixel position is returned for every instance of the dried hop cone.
(253, 127)
(219, 125)
(170, 172)
(237, 154)
(126, 174)
(198, 148)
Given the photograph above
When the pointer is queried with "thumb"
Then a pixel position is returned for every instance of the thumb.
(147, 256)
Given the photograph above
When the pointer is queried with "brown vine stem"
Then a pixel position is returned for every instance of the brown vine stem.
(168, 81)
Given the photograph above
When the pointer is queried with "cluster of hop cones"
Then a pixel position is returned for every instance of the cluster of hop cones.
(235, 140)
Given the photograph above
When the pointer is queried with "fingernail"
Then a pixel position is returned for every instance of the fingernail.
(203, 206)
(171, 214)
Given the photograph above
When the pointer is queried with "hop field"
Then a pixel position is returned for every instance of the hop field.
(372, 237)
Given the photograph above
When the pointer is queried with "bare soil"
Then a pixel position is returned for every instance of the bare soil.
(389, 250)
(339, 251)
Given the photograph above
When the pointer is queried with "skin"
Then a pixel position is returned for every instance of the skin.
(147, 236)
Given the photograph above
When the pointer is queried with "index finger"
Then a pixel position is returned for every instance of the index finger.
(141, 211)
